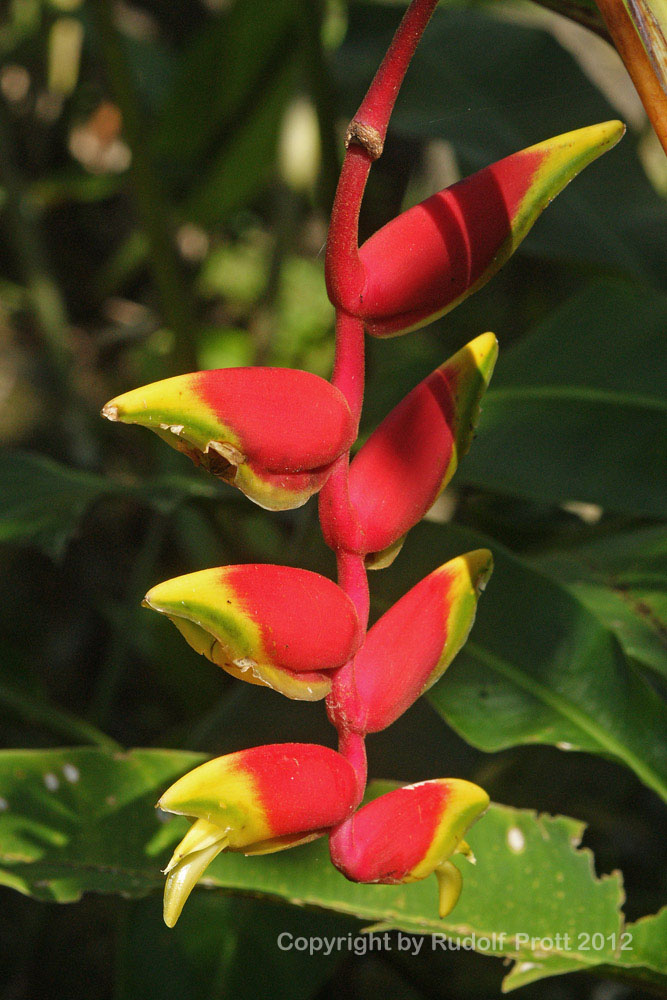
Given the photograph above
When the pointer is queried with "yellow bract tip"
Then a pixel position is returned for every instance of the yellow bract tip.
(450, 882)
(485, 352)
(182, 879)
(479, 564)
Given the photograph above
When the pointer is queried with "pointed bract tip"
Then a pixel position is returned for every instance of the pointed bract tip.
(468, 798)
(469, 373)
(273, 433)
(167, 596)
(560, 159)
(450, 883)
(485, 351)
(201, 835)
(480, 567)
(478, 357)
(110, 411)
(276, 626)
(409, 459)
(182, 879)
(569, 153)
(466, 850)
(602, 134)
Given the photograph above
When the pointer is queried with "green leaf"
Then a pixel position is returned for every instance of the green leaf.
(571, 444)
(42, 502)
(577, 411)
(244, 164)
(649, 942)
(73, 821)
(540, 882)
(32, 707)
(622, 579)
(539, 667)
(582, 11)
(78, 820)
(216, 76)
(213, 950)
(609, 337)
(639, 946)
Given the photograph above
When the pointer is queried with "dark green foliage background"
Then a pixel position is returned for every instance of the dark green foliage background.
(95, 298)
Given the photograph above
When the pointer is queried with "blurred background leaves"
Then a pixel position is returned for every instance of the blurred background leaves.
(166, 173)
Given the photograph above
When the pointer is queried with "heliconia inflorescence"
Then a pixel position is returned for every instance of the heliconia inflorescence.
(280, 436)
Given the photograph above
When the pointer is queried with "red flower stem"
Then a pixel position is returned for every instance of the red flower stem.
(352, 746)
(353, 579)
(365, 140)
(375, 109)
(338, 516)
(348, 373)
(343, 270)
(345, 285)
(338, 519)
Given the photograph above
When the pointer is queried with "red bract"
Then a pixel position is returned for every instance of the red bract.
(272, 432)
(412, 645)
(282, 789)
(272, 625)
(431, 257)
(407, 462)
(257, 801)
(409, 833)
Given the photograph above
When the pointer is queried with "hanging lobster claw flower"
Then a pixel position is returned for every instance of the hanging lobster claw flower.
(406, 834)
(272, 432)
(271, 625)
(412, 645)
(427, 260)
(256, 801)
(409, 459)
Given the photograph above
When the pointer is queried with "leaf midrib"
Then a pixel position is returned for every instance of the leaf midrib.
(571, 712)
(577, 393)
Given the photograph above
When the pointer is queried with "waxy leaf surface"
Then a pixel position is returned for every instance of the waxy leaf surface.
(540, 667)
(579, 403)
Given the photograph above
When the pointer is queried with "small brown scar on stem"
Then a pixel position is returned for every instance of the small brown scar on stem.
(110, 412)
(365, 136)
